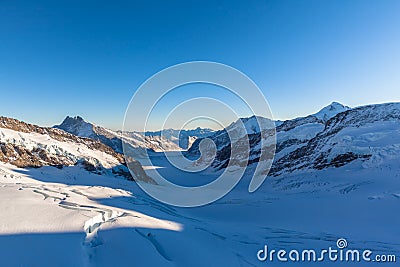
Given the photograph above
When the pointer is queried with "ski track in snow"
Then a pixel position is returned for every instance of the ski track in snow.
(240, 239)
(154, 242)
(91, 226)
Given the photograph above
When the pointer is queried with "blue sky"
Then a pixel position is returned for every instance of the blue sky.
(87, 58)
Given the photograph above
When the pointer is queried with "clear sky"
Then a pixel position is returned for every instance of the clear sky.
(87, 58)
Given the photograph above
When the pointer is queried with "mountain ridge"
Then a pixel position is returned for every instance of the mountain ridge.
(32, 146)
(78, 126)
(316, 141)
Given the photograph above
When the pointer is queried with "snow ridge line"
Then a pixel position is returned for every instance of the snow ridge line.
(91, 227)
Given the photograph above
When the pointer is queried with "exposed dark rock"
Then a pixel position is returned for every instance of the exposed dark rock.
(339, 160)
(291, 124)
(38, 157)
(287, 143)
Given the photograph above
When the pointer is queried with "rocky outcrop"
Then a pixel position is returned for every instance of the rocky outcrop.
(23, 158)
(29, 151)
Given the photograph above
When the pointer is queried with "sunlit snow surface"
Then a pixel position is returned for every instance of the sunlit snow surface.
(70, 217)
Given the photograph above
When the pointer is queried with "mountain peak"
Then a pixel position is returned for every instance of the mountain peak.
(330, 111)
(76, 118)
(335, 104)
(77, 126)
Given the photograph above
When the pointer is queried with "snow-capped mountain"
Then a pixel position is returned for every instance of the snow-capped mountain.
(79, 127)
(183, 138)
(365, 133)
(333, 137)
(296, 132)
(331, 179)
(30, 146)
(237, 134)
(330, 111)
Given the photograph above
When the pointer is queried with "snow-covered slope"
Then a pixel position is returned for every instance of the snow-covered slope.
(71, 217)
(51, 217)
(330, 111)
(333, 137)
(79, 127)
(292, 134)
(27, 145)
(154, 143)
(365, 133)
(237, 134)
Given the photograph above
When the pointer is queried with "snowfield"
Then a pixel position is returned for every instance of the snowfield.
(337, 175)
(71, 217)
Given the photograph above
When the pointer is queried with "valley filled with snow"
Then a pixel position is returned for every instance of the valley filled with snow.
(53, 217)
(336, 175)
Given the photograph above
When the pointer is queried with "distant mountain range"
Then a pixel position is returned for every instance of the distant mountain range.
(335, 136)
(335, 174)
(166, 140)
(79, 127)
(183, 138)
